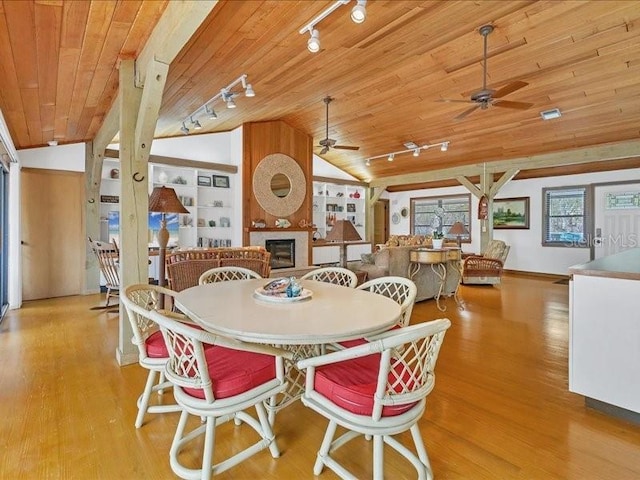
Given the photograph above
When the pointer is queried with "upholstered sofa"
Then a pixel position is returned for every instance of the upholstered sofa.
(395, 260)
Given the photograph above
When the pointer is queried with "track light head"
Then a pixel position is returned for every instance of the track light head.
(230, 102)
(211, 113)
(368, 162)
(313, 44)
(184, 129)
(359, 12)
(196, 124)
(416, 152)
(248, 91)
(444, 147)
(391, 157)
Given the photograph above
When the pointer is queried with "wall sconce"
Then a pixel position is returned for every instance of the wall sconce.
(358, 15)
(226, 94)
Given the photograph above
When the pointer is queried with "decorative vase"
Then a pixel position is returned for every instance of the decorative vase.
(163, 177)
(437, 243)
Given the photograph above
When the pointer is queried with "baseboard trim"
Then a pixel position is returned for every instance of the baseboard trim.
(541, 275)
(613, 410)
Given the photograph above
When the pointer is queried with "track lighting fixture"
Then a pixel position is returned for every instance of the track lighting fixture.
(411, 147)
(313, 44)
(226, 94)
(359, 12)
(358, 15)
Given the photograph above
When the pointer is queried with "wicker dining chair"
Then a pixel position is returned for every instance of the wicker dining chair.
(139, 300)
(218, 384)
(378, 390)
(107, 255)
(225, 274)
(336, 275)
(184, 267)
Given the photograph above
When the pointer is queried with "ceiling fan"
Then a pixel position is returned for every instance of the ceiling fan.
(329, 143)
(485, 97)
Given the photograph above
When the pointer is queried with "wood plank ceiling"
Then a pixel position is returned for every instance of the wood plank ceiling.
(58, 71)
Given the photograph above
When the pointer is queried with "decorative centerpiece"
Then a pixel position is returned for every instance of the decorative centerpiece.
(283, 290)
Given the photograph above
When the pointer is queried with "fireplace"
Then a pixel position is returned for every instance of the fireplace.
(283, 252)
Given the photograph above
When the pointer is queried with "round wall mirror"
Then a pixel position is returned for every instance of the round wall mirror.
(267, 185)
(280, 185)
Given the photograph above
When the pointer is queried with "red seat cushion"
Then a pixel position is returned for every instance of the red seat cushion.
(156, 348)
(233, 371)
(352, 384)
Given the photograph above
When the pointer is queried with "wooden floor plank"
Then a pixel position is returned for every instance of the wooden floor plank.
(500, 409)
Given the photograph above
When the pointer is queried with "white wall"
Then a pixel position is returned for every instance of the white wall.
(322, 168)
(62, 157)
(527, 253)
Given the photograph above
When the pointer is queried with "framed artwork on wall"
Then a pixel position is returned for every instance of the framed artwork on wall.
(511, 213)
(220, 181)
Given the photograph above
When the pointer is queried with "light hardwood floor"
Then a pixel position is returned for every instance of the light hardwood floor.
(500, 408)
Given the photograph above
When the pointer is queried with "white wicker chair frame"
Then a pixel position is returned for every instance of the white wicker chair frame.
(226, 274)
(335, 275)
(400, 289)
(187, 368)
(139, 300)
(405, 376)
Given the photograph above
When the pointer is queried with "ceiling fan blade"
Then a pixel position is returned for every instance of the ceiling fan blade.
(450, 100)
(346, 147)
(510, 88)
(508, 104)
(467, 112)
(324, 150)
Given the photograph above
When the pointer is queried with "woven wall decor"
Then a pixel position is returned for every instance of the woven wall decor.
(268, 167)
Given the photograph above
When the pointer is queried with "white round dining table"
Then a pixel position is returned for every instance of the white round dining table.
(331, 314)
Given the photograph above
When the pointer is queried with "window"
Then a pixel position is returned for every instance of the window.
(438, 214)
(565, 216)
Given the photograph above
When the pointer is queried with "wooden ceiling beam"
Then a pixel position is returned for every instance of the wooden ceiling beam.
(568, 157)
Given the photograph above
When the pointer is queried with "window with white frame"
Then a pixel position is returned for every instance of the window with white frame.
(566, 216)
(438, 214)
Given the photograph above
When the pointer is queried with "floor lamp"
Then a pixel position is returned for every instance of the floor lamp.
(343, 231)
(164, 200)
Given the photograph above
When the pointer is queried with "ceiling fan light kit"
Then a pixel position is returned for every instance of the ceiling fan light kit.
(415, 151)
(486, 97)
(226, 94)
(358, 15)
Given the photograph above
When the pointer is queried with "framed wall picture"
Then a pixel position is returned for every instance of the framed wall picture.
(220, 181)
(511, 213)
(204, 181)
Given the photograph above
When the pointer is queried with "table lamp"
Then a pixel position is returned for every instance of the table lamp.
(343, 231)
(458, 229)
(164, 200)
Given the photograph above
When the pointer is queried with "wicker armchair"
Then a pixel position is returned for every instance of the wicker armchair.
(257, 259)
(486, 269)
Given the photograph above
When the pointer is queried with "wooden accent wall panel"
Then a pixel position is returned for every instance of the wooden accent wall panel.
(264, 138)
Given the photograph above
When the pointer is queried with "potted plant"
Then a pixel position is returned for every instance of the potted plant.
(437, 239)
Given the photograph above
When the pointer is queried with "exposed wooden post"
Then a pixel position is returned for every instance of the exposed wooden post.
(373, 195)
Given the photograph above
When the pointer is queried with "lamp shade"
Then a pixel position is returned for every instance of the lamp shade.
(458, 228)
(343, 231)
(165, 200)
